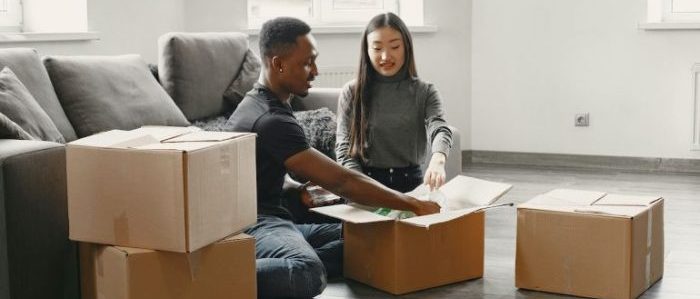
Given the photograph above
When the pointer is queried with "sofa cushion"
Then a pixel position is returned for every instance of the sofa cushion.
(21, 109)
(102, 93)
(26, 64)
(11, 130)
(244, 81)
(196, 68)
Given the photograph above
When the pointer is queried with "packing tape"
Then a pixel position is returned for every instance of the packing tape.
(647, 271)
(225, 157)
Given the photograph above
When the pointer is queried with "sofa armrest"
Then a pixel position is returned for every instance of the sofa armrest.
(36, 258)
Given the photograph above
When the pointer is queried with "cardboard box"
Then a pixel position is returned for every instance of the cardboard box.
(590, 244)
(402, 256)
(225, 269)
(163, 188)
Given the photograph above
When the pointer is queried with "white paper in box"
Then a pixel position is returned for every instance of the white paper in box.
(463, 195)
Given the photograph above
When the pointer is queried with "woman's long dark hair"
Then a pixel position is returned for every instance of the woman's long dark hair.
(366, 75)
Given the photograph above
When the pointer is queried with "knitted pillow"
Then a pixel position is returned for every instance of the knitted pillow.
(319, 126)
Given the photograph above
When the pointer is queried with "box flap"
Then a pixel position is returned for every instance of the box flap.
(165, 132)
(465, 192)
(130, 250)
(428, 220)
(626, 200)
(179, 146)
(115, 139)
(590, 202)
(446, 216)
(564, 198)
(236, 238)
(351, 214)
(619, 211)
(203, 136)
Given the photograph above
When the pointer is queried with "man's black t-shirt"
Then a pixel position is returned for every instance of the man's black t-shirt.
(279, 137)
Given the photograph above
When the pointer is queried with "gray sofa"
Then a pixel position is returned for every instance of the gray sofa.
(36, 258)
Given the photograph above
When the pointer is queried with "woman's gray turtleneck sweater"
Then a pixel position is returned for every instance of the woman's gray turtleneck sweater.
(404, 113)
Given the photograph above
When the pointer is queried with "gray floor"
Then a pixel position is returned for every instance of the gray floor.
(682, 232)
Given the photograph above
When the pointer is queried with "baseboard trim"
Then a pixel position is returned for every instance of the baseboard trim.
(640, 164)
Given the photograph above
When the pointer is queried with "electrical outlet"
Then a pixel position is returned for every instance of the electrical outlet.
(581, 120)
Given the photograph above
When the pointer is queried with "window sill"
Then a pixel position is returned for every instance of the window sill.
(316, 30)
(32, 37)
(669, 25)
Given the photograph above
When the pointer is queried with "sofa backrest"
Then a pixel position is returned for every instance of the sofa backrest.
(26, 64)
(318, 97)
(197, 68)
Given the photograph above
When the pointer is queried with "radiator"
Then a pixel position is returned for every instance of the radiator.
(334, 76)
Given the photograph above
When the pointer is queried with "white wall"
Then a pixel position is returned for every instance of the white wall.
(537, 63)
(124, 26)
(442, 57)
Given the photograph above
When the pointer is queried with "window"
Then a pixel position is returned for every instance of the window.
(672, 11)
(43, 16)
(682, 10)
(696, 110)
(10, 15)
(333, 12)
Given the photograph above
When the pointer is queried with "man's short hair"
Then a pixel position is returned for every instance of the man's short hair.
(279, 35)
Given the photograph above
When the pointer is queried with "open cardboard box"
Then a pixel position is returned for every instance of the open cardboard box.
(590, 244)
(166, 188)
(401, 256)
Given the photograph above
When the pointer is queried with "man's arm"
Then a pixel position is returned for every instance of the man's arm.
(353, 185)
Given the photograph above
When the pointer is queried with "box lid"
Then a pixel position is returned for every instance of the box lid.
(179, 146)
(165, 132)
(462, 196)
(591, 202)
(206, 136)
(183, 139)
(115, 139)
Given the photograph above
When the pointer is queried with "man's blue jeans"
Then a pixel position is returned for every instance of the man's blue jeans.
(294, 260)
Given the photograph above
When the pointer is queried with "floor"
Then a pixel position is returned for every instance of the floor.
(682, 232)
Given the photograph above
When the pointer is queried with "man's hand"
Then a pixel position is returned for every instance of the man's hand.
(425, 207)
(353, 185)
(308, 200)
(435, 173)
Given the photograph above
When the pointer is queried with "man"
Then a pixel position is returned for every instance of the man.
(294, 259)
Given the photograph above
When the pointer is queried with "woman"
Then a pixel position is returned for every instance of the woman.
(387, 115)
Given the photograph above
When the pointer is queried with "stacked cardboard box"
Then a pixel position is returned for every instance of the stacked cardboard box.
(173, 192)
(402, 256)
(590, 244)
(225, 269)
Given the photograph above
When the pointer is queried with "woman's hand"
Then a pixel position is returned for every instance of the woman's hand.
(435, 173)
